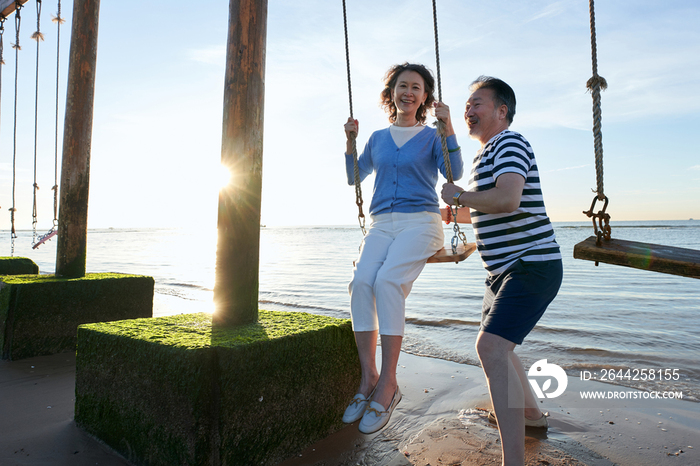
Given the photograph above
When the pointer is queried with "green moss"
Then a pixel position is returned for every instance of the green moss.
(174, 390)
(17, 266)
(195, 330)
(50, 278)
(40, 314)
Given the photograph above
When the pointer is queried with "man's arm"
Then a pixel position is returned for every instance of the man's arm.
(501, 199)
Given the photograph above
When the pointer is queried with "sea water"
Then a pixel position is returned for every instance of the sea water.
(605, 318)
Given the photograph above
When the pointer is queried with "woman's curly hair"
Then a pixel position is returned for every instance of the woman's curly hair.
(390, 78)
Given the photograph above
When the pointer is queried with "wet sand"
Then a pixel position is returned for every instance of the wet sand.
(37, 398)
(441, 420)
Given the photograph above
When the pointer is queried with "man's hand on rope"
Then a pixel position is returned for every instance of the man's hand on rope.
(448, 192)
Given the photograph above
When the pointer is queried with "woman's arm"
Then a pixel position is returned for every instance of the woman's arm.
(442, 113)
(463, 215)
(364, 160)
(352, 126)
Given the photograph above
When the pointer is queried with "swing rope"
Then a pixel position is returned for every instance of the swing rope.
(441, 127)
(53, 231)
(2, 58)
(439, 123)
(353, 135)
(17, 47)
(2, 47)
(38, 37)
(595, 85)
(58, 19)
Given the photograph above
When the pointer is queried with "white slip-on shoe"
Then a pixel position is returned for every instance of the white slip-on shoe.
(356, 408)
(375, 417)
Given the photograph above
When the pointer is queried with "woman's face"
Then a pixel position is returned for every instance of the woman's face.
(409, 93)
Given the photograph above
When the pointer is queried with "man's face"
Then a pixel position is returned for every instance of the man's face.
(483, 118)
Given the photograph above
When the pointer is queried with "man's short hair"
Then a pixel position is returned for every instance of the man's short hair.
(502, 92)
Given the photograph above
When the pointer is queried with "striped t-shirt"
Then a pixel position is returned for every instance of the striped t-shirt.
(525, 233)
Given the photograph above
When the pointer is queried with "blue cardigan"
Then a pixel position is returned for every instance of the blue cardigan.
(405, 177)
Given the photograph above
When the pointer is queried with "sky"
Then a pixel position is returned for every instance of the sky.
(157, 124)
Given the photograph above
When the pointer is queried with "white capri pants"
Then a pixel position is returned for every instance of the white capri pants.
(393, 254)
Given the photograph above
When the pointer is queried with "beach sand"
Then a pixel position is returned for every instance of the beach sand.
(441, 420)
(37, 398)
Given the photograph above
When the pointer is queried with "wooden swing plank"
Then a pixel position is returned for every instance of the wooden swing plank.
(7, 7)
(444, 255)
(645, 256)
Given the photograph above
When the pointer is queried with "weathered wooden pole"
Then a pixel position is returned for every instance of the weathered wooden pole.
(77, 136)
(238, 246)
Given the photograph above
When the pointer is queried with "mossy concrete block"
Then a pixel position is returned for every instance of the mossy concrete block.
(40, 314)
(279, 395)
(174, 390)
(146, 387)
(18, 266)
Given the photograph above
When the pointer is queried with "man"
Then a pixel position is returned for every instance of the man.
(518, 249)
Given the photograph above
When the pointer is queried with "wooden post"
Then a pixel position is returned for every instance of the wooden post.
(77, 136)
(238, 247)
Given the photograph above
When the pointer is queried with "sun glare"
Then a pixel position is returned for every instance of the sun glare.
(223, 176)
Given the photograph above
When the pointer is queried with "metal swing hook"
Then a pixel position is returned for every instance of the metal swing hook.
(602, 230)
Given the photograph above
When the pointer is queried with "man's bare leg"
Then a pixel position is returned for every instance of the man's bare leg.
(506, 390)
(532, 409)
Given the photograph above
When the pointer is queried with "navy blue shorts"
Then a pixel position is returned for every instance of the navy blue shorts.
(515, 300)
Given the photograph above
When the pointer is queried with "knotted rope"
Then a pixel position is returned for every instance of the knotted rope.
(597, 83)
(38, 37)
(17, 47)
(439, 123)
(58, 19)
(441, 127)
(2, 47)
(353, 135)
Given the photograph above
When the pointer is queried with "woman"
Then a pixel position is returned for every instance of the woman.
(405, 230)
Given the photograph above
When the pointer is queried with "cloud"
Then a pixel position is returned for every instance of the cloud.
(212, 55)
(555, 9)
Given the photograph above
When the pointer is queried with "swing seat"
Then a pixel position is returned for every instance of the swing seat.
(45, 238)
(445, 255)
(652, 257)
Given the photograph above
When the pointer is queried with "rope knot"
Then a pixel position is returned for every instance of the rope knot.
(597, 81)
